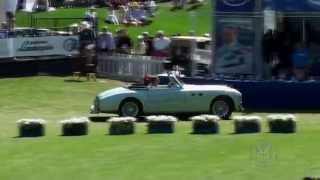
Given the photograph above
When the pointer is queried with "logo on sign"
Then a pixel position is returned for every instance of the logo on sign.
(70, 44)
(235, 3)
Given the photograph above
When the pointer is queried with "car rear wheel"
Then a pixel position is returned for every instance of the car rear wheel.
(129, 109)
(222, 107)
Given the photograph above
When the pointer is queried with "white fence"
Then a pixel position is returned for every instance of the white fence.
(128, 67)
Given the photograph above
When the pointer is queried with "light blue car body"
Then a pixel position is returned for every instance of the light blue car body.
(176, 98)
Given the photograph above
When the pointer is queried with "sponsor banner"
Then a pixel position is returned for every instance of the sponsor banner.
(6, 50)
(292, 5)
(235, 41)
(235, 5)
(46, 46)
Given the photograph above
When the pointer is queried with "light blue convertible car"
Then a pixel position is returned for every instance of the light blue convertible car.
(174, 98)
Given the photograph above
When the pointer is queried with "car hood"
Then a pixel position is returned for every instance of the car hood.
(189, 87)
(115, 91)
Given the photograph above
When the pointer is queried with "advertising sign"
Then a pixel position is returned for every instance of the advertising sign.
(235, 5)
(6, 50)
(235, 40)
(293, 5)
(46, 46)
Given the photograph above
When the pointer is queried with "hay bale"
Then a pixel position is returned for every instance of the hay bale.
(75, 126)
(205, 124)
(31, 127)
(247, 124)
(285, 123)
(122, 125)
(311, 178)
(161, 124)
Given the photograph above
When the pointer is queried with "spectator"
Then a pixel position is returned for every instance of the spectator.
(123, 42)
(105, 41)
(86, 35)
(74, 29)
(87, 41)
(91, 17)
(150, 7)
(161, 45)
(148, 42)
(141, 46)
(300, 61)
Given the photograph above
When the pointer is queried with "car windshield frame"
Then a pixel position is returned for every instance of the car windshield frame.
(173, 79)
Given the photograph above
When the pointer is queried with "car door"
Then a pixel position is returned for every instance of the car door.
(165, 100)
(198, 101)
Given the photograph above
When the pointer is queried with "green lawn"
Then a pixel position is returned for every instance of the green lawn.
(140, 156)
(172, 22)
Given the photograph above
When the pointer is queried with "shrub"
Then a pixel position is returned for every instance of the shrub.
(247, 124)
(31, 127)
(205, 124)
(282, 123)
(75, 126)
(122, 125)
(161, 124)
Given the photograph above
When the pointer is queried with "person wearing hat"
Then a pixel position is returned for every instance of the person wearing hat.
(91, 17)
(105, 41)
(141, 47)
(123, 42)
(161, 45)
(148, 40)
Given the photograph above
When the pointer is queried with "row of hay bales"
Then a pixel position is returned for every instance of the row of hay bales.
(203, 124)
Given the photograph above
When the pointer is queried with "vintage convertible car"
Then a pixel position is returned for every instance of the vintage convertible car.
(174, 98)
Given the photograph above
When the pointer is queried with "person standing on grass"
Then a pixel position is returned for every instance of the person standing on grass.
(105, 41)
(148, 40)
(91, 17)
(141, 46)
(161, 45)
(123, 42)
(87, 45)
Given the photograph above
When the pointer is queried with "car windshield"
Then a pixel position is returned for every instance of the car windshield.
(174, 81)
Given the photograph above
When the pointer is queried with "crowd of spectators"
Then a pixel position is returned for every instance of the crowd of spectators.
(130, 12)
(285, 58)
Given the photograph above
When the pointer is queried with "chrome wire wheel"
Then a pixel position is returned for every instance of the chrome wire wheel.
(130, 109)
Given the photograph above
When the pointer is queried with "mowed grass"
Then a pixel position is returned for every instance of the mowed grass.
(141, 156)
(172, 22)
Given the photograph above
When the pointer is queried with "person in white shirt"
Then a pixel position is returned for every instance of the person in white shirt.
(141, 46)
(161, 45)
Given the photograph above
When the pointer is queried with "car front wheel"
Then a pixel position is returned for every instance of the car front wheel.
(222, 107)
(129, 109)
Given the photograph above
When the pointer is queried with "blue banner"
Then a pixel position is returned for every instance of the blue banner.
(235, 38)
(293, 5)
(235, 5)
